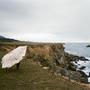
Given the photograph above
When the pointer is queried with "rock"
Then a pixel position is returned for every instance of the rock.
(83, 58)
(89, 74)
(72, 67)
(83, 67)
(88, 46)
(84, 78)
(61, 71)
(77, 76)
(83, 74)
(46, 68)
(71, 57)
(76, 62)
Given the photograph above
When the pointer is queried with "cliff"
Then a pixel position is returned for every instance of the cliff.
(54, 58)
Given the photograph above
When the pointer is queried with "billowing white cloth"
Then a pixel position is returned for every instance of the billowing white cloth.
(14, 57)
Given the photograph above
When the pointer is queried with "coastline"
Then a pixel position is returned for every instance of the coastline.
(82, 63)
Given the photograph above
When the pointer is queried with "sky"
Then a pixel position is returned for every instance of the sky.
(46, 20)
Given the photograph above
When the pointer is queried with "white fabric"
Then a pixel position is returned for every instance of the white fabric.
(14, 57)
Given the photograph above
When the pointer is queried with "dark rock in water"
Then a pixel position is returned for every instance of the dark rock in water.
(70, 57)
(79, 64)
(83, 67)
(83, 58)
(76, 62)
(88, 46)
(72, 67)
(89, 74)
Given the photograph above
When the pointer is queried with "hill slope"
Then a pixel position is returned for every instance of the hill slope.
(32, 77)
(4, 39)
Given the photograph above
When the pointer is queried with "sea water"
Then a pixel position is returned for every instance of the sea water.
(80, 49)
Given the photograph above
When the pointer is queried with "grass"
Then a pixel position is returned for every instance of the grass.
(31, 76)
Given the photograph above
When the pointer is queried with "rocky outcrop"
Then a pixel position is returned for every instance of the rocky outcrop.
(72, 75)
(56, 59)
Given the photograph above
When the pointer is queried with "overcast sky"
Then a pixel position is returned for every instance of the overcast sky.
(46, 20)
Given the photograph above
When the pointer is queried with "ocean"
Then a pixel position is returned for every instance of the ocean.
(80, 49)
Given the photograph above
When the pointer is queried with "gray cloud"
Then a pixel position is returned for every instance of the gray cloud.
(64, 19)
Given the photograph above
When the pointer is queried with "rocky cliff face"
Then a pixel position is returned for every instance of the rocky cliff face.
(57, 60)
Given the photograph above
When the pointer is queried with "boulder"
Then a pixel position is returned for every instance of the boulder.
(61, 71)
(77, 76)
(72, 75)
